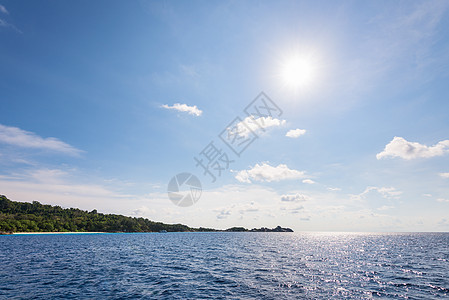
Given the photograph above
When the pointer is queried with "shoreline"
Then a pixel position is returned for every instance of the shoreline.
(98, 232)
(69, 232)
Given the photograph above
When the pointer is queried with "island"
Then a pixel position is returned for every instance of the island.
(262, 229)
(18, 216)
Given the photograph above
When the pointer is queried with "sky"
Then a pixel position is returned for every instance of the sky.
(102, 103)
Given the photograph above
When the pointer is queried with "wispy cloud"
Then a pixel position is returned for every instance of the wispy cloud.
(334, 189)
(249, 208)
(4, 23)
(239, 210)
(442, 200)
(293, 210)
(401, 41)
(223, 213)
(265, 172)
(385, 207)
(25, 139)
(444, 175)
(295, 133)
(399, 147)
(3, 9)
(49, 176)
(385, 192)
(57, 186)
(443, 222)
(144, 211)
(189, 70)
(408, 35)
(191, 110)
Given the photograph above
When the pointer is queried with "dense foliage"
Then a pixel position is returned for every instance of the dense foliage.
(36, 217)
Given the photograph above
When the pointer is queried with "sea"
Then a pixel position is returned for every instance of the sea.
(225, 265)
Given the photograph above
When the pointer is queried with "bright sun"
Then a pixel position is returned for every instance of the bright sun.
(298, 72)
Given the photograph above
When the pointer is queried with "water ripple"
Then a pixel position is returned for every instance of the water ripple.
(225, 266)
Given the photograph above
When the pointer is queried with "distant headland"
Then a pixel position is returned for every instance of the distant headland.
(37, 218)
(263, 229)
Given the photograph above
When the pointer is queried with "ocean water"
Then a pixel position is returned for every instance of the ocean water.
(225, 266)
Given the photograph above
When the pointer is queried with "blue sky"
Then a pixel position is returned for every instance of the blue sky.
(103, 102)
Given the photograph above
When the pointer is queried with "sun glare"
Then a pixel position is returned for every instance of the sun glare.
(298, 72)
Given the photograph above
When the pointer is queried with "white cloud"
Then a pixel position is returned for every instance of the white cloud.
(50, 176)
(443, 222)
(294, 133)
(3, 9)
(442, 200)
(144, 211)
(444, 175)
(58, 187)
(191, 110)
(265, 172)
(427, 195)
(294, 198)
(223, 213)
(244, 205)
(256, 125)
(334, 189)
(385, 207)
(189, 70)
(21, 138)
(308, 181)
(385, 192)
(223, 207)
(399, 147)
(249, 208)
(3, 23)
(293, 210)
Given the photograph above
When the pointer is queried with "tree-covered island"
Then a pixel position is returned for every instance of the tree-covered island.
(36, 217)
